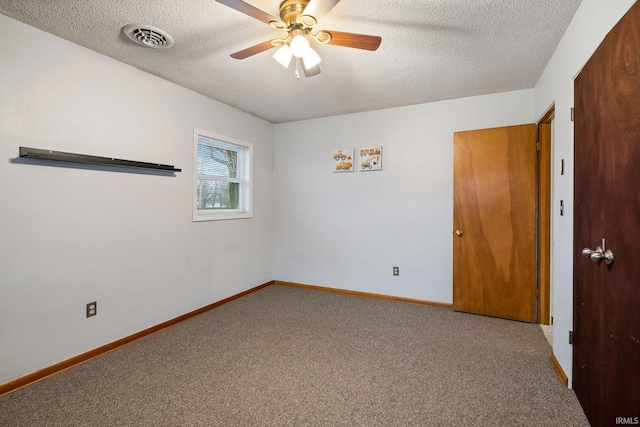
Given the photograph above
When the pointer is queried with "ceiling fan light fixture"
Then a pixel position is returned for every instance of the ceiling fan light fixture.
(283, 55)
(311, 59)
(299, 46)
(298, 18)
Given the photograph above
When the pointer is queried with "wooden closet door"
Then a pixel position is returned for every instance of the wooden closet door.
(494, 222)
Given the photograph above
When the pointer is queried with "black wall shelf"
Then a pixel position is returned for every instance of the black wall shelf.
(37, 153)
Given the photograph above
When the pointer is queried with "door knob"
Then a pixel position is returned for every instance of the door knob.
(459, 233)
(586, 252)
(607, 256)
(598, 255)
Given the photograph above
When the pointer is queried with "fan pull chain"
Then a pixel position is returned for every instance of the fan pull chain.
(297, 73)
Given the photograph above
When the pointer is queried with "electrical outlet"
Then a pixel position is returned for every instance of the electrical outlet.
(396, 271)
(92, 309)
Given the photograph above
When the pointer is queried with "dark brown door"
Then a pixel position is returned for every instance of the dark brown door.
(606, 352)
(494, 222)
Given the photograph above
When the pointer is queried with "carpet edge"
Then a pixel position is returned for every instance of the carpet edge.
(365, 294)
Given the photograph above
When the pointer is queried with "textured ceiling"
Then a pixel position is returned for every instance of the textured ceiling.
(431, 49)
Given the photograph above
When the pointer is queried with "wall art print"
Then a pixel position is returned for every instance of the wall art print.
(370, 159)
(343, 160)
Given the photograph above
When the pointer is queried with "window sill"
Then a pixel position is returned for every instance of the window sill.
(219, 216)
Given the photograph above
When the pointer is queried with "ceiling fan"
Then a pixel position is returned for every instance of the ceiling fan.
(299, 18)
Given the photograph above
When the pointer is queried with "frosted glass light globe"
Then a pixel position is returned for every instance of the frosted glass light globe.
(299, 46)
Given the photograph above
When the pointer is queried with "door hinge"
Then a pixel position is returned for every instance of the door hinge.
(538, 146)
(572, 114)
(571, 337)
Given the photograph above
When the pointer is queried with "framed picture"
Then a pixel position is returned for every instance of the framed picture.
(370, 159)
(343, 160)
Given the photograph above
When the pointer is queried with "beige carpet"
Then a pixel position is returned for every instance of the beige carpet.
(284, 356)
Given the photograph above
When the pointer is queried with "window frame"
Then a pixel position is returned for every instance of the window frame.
(245, 173)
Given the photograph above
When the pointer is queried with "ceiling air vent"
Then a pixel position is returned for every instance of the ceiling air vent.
(148, 36)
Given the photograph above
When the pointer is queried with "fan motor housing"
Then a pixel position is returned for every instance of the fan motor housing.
(291, 11)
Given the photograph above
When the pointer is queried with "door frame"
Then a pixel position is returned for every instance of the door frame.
(543, 218)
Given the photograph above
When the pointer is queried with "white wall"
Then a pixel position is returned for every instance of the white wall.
(591, 23)
(71, 235)
(347, 230)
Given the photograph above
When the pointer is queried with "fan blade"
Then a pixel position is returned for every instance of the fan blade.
(250, 51)
(358, 41)
(313, 71)
(252, 11)
(319, 8)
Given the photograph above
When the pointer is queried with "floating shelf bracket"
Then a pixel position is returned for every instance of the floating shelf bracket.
(37, 153)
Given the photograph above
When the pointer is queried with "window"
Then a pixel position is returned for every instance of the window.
(222, 178)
